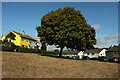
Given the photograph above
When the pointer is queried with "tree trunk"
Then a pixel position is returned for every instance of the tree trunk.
(60, 54)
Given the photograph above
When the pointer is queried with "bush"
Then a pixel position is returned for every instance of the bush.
(7, 48)
(108, 57)
(57, 51)
(48, 53)
(43, 47)
(41, 52)
(28, 50)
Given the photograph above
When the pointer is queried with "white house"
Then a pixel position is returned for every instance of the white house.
(34, 44)
(94, 53)
(80, 54)
(113, 51)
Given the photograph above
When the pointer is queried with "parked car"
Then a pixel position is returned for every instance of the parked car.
(74, 57)
(86, 57)
(113, 59)
(102, 58)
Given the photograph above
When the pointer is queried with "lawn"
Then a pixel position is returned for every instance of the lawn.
(25, 65)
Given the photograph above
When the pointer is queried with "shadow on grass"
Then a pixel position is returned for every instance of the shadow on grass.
(55, 56)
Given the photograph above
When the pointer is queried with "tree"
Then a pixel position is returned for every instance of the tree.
(43, 41)
(43, 47)
(66, 28)
(10, 37)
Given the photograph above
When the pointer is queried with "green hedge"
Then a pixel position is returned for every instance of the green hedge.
(48, 53)
(41, 52)
(7, 48)
(28, 50)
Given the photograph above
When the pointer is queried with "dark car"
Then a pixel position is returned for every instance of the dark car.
(86, 57)
(118, 60)
(102, 58)
(113, 59)
(74, 57)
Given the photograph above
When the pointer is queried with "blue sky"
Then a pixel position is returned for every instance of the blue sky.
(25, 16)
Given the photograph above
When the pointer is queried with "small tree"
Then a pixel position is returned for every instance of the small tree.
(10, 36)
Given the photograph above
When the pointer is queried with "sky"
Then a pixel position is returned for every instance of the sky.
(25, 16)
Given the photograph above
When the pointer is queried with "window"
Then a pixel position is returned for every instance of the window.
(22, 38)
(26, 46)
(26, 39)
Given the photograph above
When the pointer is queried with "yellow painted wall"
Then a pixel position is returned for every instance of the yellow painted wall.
(24, 42)
(18, 40)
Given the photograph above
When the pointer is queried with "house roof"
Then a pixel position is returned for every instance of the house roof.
(115, 48)
(25, 36)
(70, 52)
(93, 50)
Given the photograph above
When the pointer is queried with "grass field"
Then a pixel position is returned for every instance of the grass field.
(25, 65)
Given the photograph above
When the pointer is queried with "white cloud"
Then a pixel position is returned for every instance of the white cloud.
(97, 26)
(107, 40)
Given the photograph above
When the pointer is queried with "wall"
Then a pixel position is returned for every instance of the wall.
(103, 52)
(17, 40)
(91, 56)
(24, 42)
(116, 54)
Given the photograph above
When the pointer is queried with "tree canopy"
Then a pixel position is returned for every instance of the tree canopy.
(66, 28)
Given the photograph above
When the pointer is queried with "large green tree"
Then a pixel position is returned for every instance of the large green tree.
(10, 36)
(66, 28)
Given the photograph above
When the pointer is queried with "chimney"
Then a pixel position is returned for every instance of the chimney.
(23, 32)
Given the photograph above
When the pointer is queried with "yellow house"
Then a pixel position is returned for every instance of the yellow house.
(21, 39)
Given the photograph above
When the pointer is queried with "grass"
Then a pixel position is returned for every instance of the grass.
(27, 65)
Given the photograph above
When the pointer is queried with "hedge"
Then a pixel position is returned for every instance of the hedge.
(7, 48)
(48, 53)
(27, 50)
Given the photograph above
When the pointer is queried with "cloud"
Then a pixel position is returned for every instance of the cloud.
(107, 40)
(97, 26)
(35, 37)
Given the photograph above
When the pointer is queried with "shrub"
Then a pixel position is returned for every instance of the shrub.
(7, 48)
(43, 47)
(48, 53)
(57, 51)
(108, 57)
(41, 52)
(28, 50)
